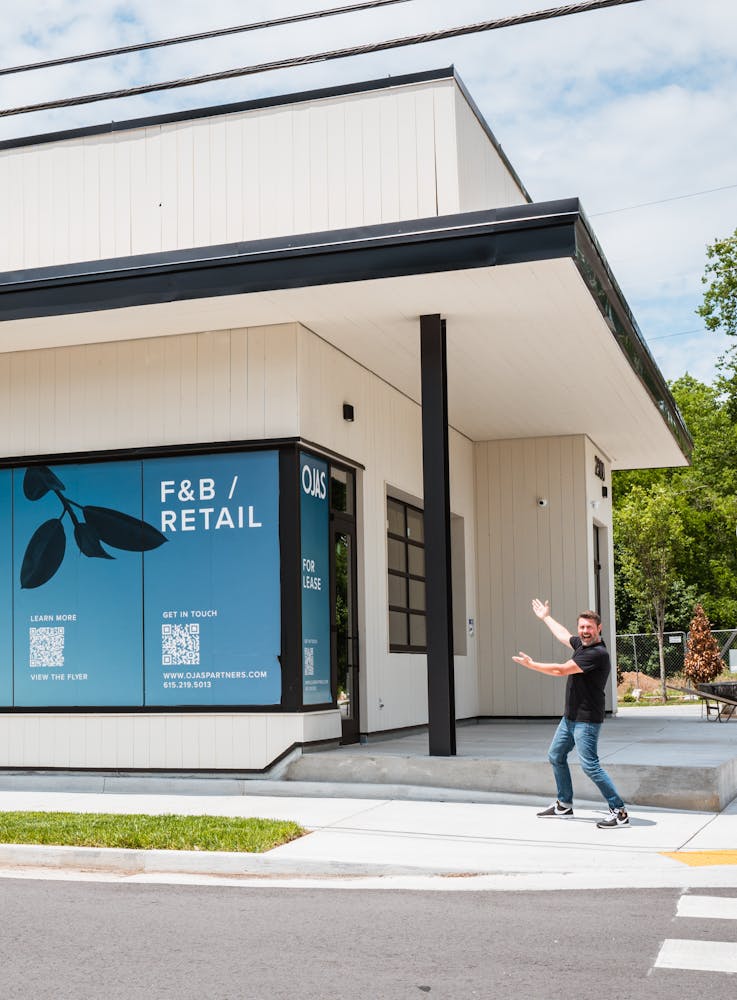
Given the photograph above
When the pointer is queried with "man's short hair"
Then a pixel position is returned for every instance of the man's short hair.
(593, 616)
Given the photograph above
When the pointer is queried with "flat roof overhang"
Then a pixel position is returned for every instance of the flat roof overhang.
(540, 339)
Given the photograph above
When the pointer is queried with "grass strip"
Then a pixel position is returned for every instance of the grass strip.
(167, 833)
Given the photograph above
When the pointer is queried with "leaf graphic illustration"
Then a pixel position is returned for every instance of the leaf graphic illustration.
(44, 554)
(89, 542)
(123, 531)
(38, 480)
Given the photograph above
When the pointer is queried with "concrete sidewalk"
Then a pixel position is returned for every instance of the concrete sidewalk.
(365, 841)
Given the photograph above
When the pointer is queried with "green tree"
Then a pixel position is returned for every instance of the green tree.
(719, 308)
(651, 540)
(705, 494)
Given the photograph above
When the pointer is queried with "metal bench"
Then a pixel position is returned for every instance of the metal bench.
(712, 705)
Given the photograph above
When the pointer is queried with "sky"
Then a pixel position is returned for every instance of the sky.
(633, 109)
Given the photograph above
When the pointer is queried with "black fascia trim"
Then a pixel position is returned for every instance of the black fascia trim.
(218, 110)
(170, 450)
(606, 293)
(277, 708)
(147, 451)
(475, 239)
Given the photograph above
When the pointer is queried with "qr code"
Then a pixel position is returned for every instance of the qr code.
(46, 647)
(180, 645)
(309, 661)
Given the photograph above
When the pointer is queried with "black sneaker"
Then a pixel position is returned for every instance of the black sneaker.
(556, 811)
(617, 817)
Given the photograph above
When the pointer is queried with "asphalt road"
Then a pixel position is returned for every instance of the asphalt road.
(85, 940)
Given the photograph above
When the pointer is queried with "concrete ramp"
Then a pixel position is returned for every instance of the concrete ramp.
(666, 757)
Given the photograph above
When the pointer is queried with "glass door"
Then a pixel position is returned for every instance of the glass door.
(344, 626)
(597, 569)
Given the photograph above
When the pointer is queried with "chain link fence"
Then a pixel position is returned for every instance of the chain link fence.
(638, 652)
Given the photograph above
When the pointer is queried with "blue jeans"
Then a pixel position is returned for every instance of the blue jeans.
(585, 737)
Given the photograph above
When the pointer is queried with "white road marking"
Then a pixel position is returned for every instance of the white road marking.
(700, 956)
(710, 907)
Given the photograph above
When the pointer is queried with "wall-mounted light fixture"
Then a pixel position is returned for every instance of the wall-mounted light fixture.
(542, 502)
(348, 413)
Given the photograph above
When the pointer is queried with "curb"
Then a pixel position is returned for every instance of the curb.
(124, 861)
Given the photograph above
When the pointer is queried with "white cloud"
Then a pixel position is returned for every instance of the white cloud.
(621, 106)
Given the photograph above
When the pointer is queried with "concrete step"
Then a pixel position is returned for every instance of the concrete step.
(708, 787)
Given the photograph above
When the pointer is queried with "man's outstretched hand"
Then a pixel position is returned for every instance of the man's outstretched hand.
(523, 659)
(539, 609)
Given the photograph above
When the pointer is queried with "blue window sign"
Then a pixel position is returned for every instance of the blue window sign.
(141, 583)
(315, 575)
(213, 592)
(76, 577)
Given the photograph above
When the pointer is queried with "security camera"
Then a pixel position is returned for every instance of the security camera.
(542, 502)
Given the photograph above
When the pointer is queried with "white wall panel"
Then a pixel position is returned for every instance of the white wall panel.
(45, 197)
(318, 170)
(143, 190)
(256, 391)
(233, 179)
(300, 175)
(446, 152)
(168, 741)
(181, 191)
(74, 194)
(201, 163)
(385, 437)
(528, 551)
(335, 166)
(214, 386)
(252, 227)
(59, 208)
(91, 225)
(354, 169)
(29, 234)
(351, 160)
(272, 151)
(121, 194)
(389, 153)
(408, 172)
(219, 172)
(483, 178)
(371, 137)
(12, 228)
(102, 214)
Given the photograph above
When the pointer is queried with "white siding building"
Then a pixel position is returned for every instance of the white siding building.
(249, 281)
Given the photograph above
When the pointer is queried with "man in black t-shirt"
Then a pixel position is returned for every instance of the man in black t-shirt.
(587, 672)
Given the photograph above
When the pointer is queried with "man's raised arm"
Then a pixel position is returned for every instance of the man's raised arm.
(542, 611)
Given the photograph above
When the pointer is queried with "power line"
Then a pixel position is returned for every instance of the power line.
(394, 43)
(683, 333)
(200, 36)
(662, 201)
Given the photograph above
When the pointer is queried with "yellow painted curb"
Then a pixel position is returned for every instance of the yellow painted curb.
(697, 859)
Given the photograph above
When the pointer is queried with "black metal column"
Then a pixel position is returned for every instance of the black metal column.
(436, 481)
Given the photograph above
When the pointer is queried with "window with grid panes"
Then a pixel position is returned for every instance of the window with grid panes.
(406, 546)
